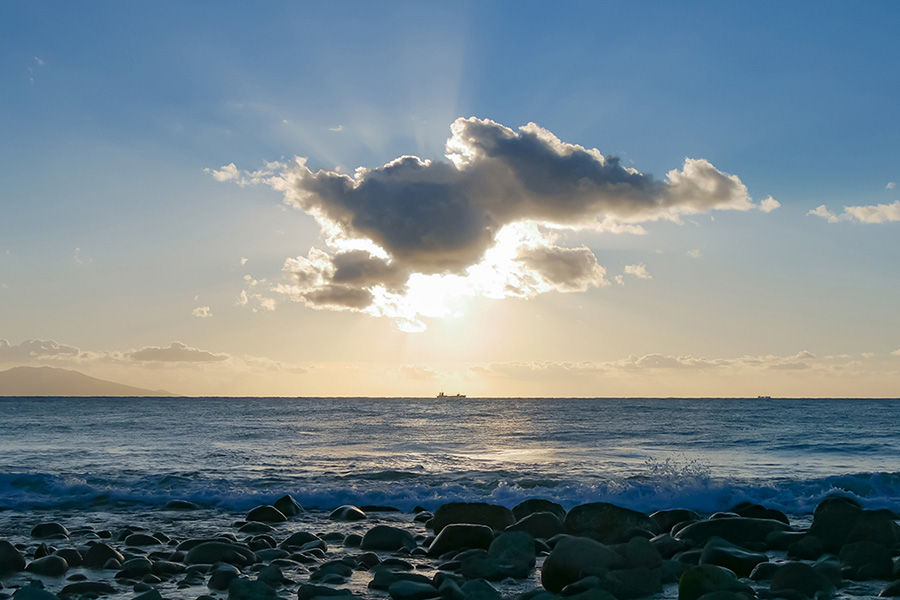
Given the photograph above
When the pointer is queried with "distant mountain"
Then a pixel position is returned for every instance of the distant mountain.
(50, 381)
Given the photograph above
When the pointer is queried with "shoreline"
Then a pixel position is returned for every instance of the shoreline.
(148, 552)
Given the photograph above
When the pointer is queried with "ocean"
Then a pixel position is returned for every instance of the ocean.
(113, 463)
(234, 453)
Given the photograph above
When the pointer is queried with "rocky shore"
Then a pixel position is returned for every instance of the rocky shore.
(461, 551)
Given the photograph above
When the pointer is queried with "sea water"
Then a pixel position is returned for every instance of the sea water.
(112, 464)
(234, 453)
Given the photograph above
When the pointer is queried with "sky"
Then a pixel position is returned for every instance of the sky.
(488, 198)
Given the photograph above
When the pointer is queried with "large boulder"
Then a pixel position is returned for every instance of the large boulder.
(866, 560)
(208, 553)
(801, 577)
(99, 555)
(606, 522)
(50, 566)
(839, 520)
(459, 536)
(737, 530)
(536, 505)
(385, 537)
(542, 525)
(667, 519)
(474, 513)
(288, 506)
(758, 511)
(625, 584)
(11, 559)
(347, 513)
(266, 514)
(35, 591)
(511, 554)
(725, 554)
(706, 579)
(412, 590)
(574, 558)
(49, 530)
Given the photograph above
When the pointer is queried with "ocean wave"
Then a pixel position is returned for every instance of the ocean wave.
(663, 486)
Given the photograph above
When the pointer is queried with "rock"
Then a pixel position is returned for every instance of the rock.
(641, 553)
(88, 588)
(704, 579)
(134, 568)
(99, 555)
(72, 556)
(385, 537)
(164, 568)
(208, 553)
(141, 539)
(299, 539)
(737, 530)
(809, 547)
(271, 575)
(347, 513)
(725, 554)
(802, 578)
(412, 590)
(757, 511)
(334, 567)
(536, 505)
(384, 578)
(632, 583)
(222, 576)
(288, 506)
(309, 591)
(838, 521)
(180, 505)
(459, 536)
(33, 592)
(49, 530)
(51, 566)
(246, 589)
(667, 519)
(11, 560)
(266, 514)
(474, 513)
(667, 546)
(509, 555)
(151, 594)
(891, 591)
(605, 522)
(255, 528)
(479, 589)
(866, 560)
(542, 525)
(574, 558)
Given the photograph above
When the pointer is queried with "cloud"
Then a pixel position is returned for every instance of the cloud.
(490, 209)
(695, 253)
(30, 350)
(769, 204)
(243, 261)
(566, 269)
(877, 213)
(337, 129)
(227, 173)
(896, 352)
(891, 185)
(202, 312)
(639, 271)
(175, 352)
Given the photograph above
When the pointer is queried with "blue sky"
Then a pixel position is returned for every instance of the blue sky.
(117, 232)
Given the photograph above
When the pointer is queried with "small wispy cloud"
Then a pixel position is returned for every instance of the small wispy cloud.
(639, 271)
(336, 129)
(891, 185)
(695, 253)
(243, 261)
(81, 258)
(769, 204)
(874, 213)
(202, 312)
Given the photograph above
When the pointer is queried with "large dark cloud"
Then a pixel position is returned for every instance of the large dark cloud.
(441, 217)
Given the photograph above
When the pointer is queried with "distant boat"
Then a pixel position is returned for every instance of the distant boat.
(764, 397)
(443, 395)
